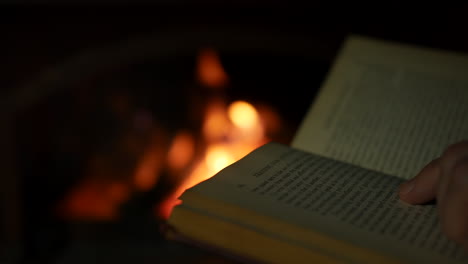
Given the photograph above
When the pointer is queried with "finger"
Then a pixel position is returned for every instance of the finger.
(451, 156)
(454, 215)
(423, 187)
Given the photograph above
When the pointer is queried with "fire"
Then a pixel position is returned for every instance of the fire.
(217, 158)
(216, 124)
(210, 72)
(146, 173)
(95, 199)
(229, 132)
(181, 151)
(238, 131)
(243, 115)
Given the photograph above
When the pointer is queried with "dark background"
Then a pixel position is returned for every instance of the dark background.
(36, 37)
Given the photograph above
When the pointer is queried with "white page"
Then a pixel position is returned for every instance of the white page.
(387, 107)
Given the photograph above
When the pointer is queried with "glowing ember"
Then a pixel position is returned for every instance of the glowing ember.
(216, 124)
(146, 173)
(144, 178)
(210, 72)
(164, 209)
(118, 192)
(95, 199)
(243, 115)
(181, 151)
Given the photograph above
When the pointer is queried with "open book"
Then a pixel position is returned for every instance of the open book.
(384, 111)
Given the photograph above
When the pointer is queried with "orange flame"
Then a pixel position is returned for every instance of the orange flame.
(249, 128)
(216, 124)
(210, 72)
(243, 115)
(181, 151)
(217, 158)
(238, 131)
(96, 200)
(147, 171)
(231, 132)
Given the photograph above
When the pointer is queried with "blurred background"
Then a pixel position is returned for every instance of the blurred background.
(110, 110)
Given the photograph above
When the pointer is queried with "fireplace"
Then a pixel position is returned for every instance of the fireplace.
(107, 138)
(200, 130)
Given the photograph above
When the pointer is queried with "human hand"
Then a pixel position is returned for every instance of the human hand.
(446, 180)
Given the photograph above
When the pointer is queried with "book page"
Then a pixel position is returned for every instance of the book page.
(343, 201)
(388, 107)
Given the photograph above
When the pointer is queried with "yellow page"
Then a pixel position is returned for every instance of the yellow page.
(347, 203)
(388, 107)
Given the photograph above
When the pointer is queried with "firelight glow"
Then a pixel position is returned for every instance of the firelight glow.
(181, 151)
(216, 124)
(217, 158)
(210, 72)
(230, 130)
(243, 114)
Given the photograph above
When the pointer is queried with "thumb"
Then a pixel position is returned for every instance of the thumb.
(423, 187)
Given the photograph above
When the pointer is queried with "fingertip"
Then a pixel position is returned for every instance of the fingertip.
(421, 188)
(406, 188)
(404, 191)
(409, 193)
